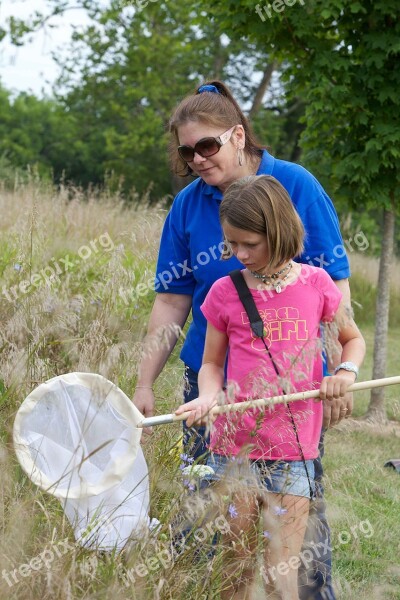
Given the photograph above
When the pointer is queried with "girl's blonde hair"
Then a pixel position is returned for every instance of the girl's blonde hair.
(214, 109)
(259, 203)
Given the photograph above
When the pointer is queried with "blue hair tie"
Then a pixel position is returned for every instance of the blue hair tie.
(207, 88)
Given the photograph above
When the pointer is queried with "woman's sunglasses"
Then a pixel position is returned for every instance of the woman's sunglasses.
(205, 147)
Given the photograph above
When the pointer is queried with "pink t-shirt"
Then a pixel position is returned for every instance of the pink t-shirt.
(292, 333)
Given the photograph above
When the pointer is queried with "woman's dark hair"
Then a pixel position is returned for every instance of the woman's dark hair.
(214, 109)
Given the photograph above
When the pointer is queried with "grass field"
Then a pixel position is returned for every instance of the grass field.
(80, 314)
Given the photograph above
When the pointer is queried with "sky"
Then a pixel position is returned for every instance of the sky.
(30, 67)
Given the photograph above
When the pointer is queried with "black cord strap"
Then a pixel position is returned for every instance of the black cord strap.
(257, 326)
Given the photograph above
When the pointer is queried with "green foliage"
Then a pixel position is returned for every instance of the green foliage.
(364, 533)
(280, 128)
(124, 75)
(134, 66)
(39, 134)
(343, 57)
(127, 70)
(363, 295)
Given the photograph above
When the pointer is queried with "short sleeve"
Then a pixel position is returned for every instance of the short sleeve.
(174, 271)
(324, 246)
(213, 306)
(331, 296)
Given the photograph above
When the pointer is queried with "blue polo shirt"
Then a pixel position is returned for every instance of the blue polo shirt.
(191, 242)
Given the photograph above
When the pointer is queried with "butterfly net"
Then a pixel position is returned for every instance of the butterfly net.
(76, 437)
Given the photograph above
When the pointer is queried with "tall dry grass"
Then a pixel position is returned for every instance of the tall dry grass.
(80, 320)
(367, 267)
(83, 317)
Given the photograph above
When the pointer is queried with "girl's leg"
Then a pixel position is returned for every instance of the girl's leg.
(285, 521)
(240, 545)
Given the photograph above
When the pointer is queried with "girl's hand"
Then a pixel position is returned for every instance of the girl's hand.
(337, 403)
(199, 408)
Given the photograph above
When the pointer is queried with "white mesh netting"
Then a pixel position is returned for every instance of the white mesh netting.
(76, 437)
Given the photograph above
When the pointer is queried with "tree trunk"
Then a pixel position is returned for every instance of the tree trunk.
(219, 58)
(376, 410)
(262, 88)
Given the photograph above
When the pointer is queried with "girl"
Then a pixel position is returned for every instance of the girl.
(263, 230)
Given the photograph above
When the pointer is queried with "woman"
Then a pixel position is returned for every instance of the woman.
(212, 139)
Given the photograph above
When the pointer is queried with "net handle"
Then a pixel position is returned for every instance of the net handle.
(261, 402)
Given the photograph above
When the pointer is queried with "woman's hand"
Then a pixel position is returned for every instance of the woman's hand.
(199, 408)
(338, 403)
(144, 401)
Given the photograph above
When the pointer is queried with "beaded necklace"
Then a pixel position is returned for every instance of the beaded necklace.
(275, 279)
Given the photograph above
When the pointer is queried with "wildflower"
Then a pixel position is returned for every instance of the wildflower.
(232, 511)
(186, 459)
(267, 535)
(279, 511)
(17, 267)
(190, 486)
(198, 471)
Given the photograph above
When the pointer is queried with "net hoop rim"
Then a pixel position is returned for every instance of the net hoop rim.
(117, 398)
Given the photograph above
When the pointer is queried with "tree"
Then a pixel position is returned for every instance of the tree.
(124, 75)
(37, 133)
(133, 67)
(343, 58)
(126, 72)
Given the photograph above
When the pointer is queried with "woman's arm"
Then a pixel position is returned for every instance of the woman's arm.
(334, 358)
(168, 316)
(334, 412)
(353, 350)
(211, 377)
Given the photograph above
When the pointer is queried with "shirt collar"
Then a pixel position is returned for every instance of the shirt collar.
(266, 167)
(211, 190)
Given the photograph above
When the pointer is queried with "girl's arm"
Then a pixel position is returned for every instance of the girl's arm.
(211, 377)
(353, 350)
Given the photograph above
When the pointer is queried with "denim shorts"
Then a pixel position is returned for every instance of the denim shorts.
(278, 476)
